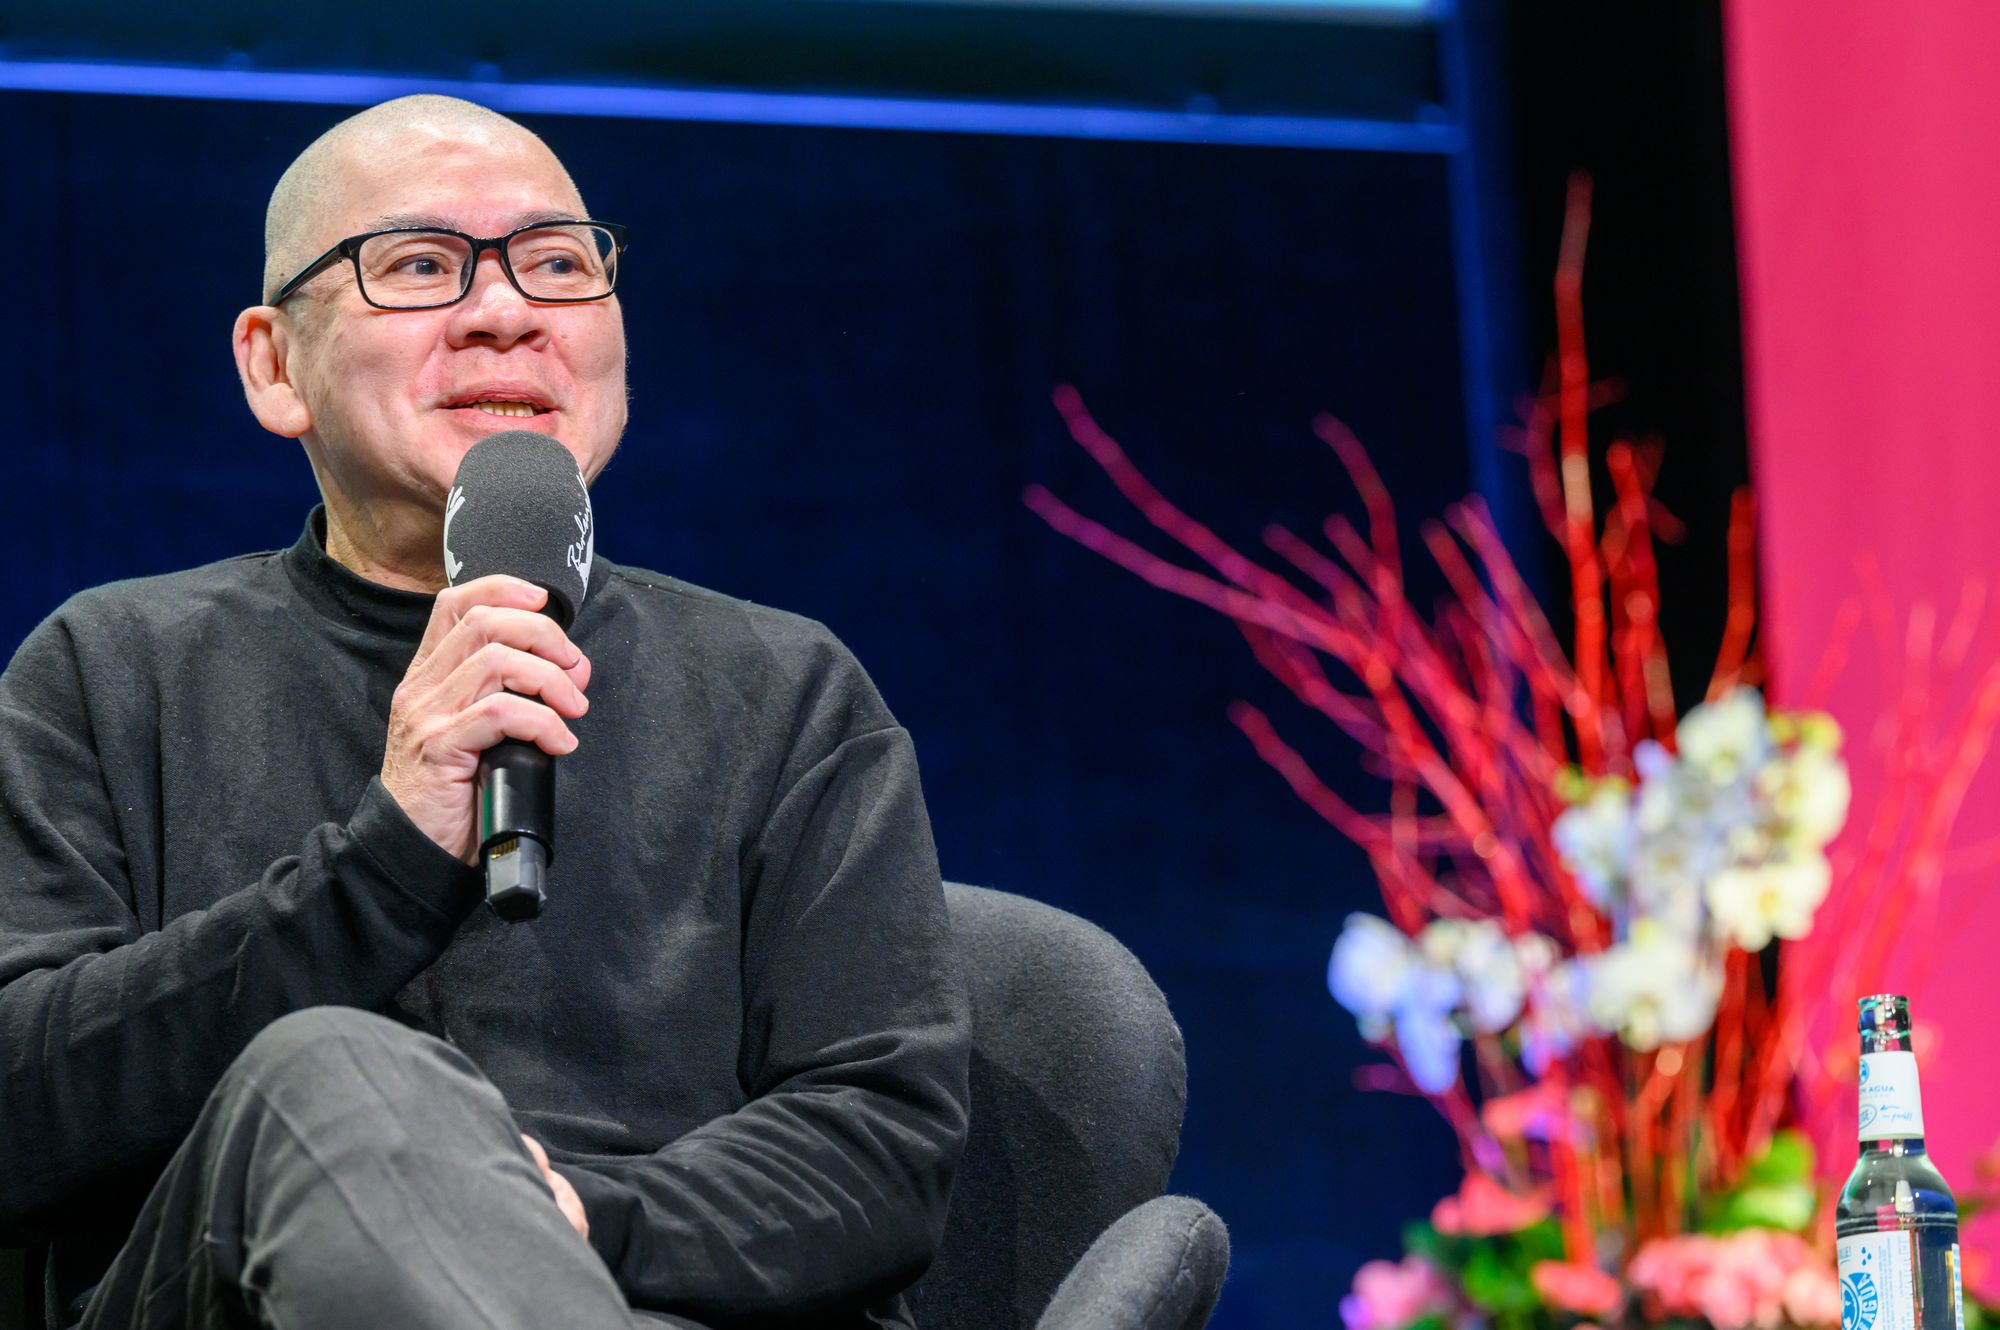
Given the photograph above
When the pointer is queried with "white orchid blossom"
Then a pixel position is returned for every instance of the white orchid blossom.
(1557, 1019)
(1752, 904)
(1537, 955)
(1371, 968)
(1595, 839)
(1808, 793)
(1426, 1034)
(1668, 868)
(1657, 803)
(1726, 740)
(1479, 953)
(1398, 989)
(1726, 840)
(1655, 988)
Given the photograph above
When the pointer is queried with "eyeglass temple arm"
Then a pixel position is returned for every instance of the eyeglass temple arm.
(310, 271)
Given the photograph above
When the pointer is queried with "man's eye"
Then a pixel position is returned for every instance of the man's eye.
(556, 263)
(419, 265)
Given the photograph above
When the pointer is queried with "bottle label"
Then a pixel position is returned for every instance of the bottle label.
(1878, 1290)
(1891, 1107)
(1957, 1287)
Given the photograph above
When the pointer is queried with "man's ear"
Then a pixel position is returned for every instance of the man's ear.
(262, 342)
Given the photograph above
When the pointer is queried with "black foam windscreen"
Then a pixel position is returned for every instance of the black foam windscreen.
(519, 506)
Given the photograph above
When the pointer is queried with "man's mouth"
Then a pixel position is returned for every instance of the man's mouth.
(513, 403)
(503, 408)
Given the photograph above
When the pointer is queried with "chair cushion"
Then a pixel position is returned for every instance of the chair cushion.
(1079, 1082)
(1158, 1268)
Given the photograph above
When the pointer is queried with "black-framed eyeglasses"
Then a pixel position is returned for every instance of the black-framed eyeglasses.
(422, 267)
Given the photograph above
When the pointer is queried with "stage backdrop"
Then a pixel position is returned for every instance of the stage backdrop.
(1868, 175)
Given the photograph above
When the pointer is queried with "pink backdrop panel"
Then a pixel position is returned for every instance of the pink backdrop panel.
(1867, 155)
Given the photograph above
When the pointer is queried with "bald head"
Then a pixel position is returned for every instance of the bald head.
(312, 197)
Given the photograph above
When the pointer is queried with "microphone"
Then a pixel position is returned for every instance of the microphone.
(518, 505)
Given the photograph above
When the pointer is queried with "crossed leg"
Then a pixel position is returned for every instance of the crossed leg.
(348, 1172)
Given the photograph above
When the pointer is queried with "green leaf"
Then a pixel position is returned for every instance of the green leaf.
(1496, 1284)
(1539, 1242)
(1788, 1207)
(1446, 1253)
(1788, 1158)
(1420, 1239)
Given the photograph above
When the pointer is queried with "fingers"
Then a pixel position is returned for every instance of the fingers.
(479, 626)
(567, 1200)
(535, 1149)
(500, 716)
(496, 589)
(498, 667)
(570, 1204)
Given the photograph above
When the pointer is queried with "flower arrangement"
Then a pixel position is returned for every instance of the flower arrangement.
(1581, 890)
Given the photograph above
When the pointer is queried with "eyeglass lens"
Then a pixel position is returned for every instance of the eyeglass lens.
(414, 268)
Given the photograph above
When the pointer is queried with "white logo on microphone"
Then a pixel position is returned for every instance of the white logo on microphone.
(584, 547)
(452, 503)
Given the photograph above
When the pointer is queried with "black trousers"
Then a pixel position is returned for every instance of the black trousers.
(351, 1172)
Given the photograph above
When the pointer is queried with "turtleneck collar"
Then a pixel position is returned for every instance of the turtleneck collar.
(354, 601)
(337, 592)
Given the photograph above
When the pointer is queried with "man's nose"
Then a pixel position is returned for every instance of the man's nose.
(494, 313)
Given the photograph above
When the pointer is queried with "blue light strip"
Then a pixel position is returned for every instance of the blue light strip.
(741, 108)
(1331, 11)
(1491, 323)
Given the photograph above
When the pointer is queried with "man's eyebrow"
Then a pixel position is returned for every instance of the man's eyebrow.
(438, 222)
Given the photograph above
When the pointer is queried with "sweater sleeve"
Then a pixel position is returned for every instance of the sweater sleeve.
(111, 1037)
(829, 1187)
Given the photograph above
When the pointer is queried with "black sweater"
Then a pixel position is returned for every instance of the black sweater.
(739, 1025)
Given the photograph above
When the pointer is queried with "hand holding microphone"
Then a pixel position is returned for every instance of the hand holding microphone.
(491, 667)
(483, 709)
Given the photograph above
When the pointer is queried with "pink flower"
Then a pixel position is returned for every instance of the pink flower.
(1741, 1291)
(1753, 1278)
(1670, 1270)
(1389, 1297)
(1483, 1208)
(1538, 1113)
(1812, 1296)
(1573, 1286)
(1746, 1286)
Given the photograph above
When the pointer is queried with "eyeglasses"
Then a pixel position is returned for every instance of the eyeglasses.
(413, 267)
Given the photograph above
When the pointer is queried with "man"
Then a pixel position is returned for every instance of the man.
(265, 1058)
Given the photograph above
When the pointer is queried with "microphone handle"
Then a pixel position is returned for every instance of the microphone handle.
(517, 826)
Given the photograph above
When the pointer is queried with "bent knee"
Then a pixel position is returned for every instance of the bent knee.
(305, 1039)
(312, 1026)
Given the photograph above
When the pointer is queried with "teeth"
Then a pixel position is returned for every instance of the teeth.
(504, 408)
